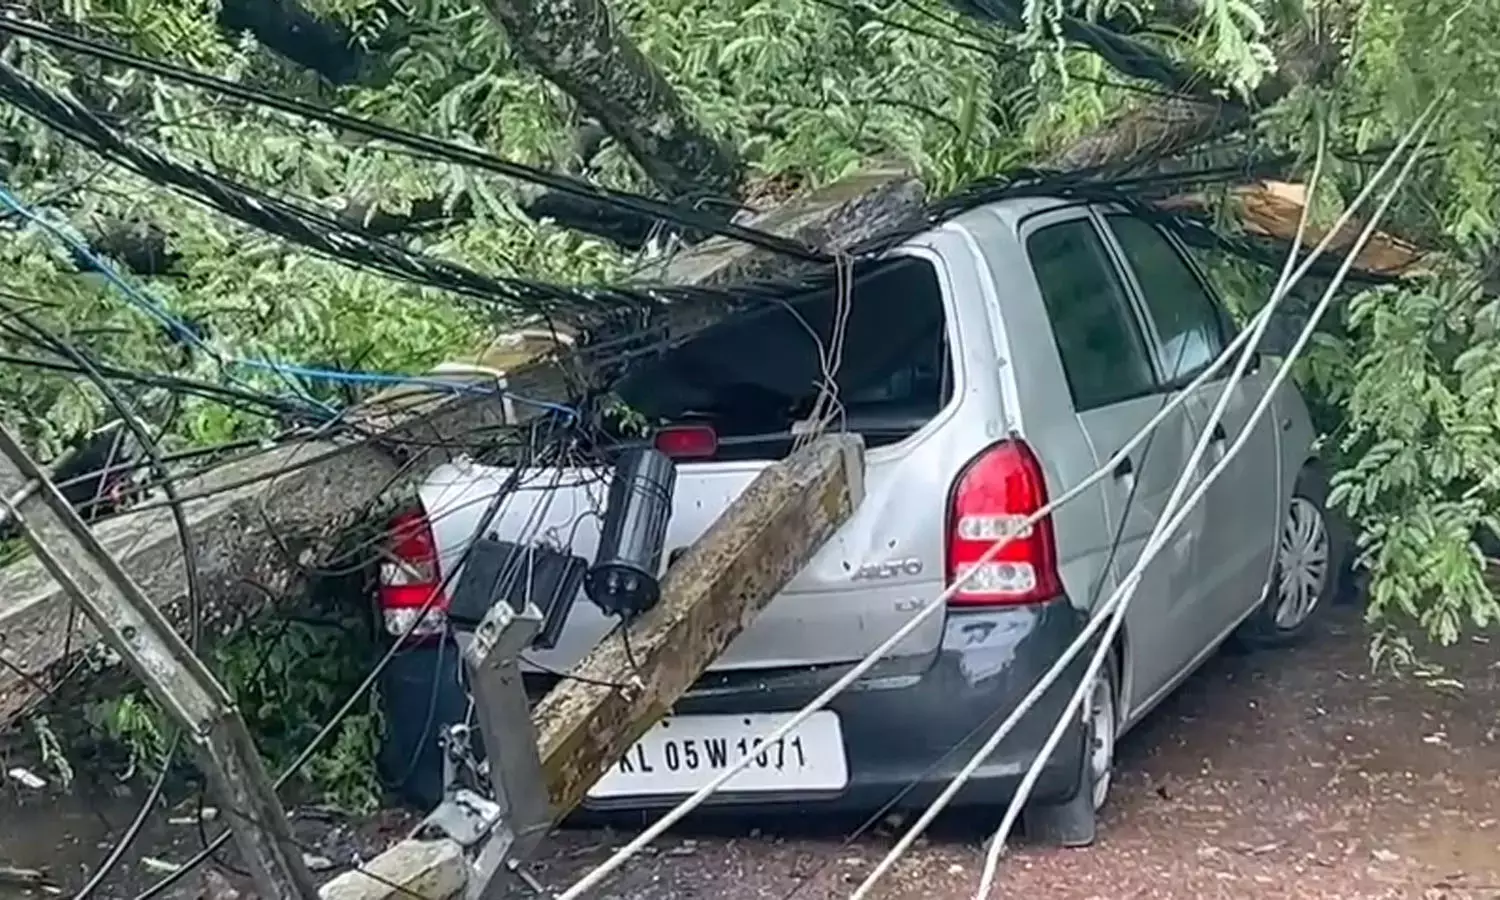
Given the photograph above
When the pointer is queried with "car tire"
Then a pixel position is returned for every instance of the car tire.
(1307, 572)
(1075, 822)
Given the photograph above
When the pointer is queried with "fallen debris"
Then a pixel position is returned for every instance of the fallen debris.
(26, 778)
(586, 724)
(434, 870)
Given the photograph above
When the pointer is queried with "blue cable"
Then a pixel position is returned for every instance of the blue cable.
(159, 312)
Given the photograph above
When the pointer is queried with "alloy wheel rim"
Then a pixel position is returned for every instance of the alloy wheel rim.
(1302, 564)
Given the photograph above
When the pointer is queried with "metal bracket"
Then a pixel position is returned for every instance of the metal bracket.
(502, 829)
(464, 816)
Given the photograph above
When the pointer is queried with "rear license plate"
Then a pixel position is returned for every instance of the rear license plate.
(680, 755)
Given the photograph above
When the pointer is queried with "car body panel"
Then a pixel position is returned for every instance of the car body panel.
(960, 672)
(1232, 558)
(906, 734)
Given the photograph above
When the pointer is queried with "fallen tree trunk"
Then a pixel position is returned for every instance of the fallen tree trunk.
(292, 31)
(257, 540)
(1272, 209)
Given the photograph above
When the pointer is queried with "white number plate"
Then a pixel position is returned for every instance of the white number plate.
(682, 754)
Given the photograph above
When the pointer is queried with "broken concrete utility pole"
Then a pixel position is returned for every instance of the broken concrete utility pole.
(585, 725)
(177, 679)
(305, 496)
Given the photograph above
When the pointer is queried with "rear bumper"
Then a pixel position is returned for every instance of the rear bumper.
(906, 735)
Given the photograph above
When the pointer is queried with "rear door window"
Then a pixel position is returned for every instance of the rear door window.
(1188, 321)
(880, 347)
(1103, 352)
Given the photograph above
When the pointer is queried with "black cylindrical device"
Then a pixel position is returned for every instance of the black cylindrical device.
(623, 580)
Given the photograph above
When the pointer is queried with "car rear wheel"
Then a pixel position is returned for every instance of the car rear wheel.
(1099, 751)
(1308, 561)
(1074, 822)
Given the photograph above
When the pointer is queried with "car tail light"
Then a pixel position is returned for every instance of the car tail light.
(995, 494)
(409, 579)
(688, 441)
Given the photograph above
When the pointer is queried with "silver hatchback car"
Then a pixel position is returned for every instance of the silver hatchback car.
(990, 363)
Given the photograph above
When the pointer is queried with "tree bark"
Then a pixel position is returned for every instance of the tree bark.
(1159, 129)
(575, 45)
(1191, 113)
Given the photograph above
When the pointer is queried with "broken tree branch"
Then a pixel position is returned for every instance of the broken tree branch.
(1197, 108)
(290, 30)
(577, 45)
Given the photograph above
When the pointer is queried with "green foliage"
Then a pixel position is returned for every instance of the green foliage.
(1400, 378)
(134, 724)
(1412, 369)
(288, 678)
(1421, 454)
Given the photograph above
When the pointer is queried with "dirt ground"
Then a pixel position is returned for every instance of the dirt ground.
(1291, 774)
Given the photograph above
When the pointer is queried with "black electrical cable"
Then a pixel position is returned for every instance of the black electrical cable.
(239, 397)
(304, 225)
(256, 449)
(366, 437)
(977, 41)
(1098, 185)
(332, 237)
(84, 181)
(149, 446)
(1017, 184)
(176, 456)
(453, 152)
(570, 676)
(260, 478)
(1126, 54)
(244, 401)
(329, 567)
